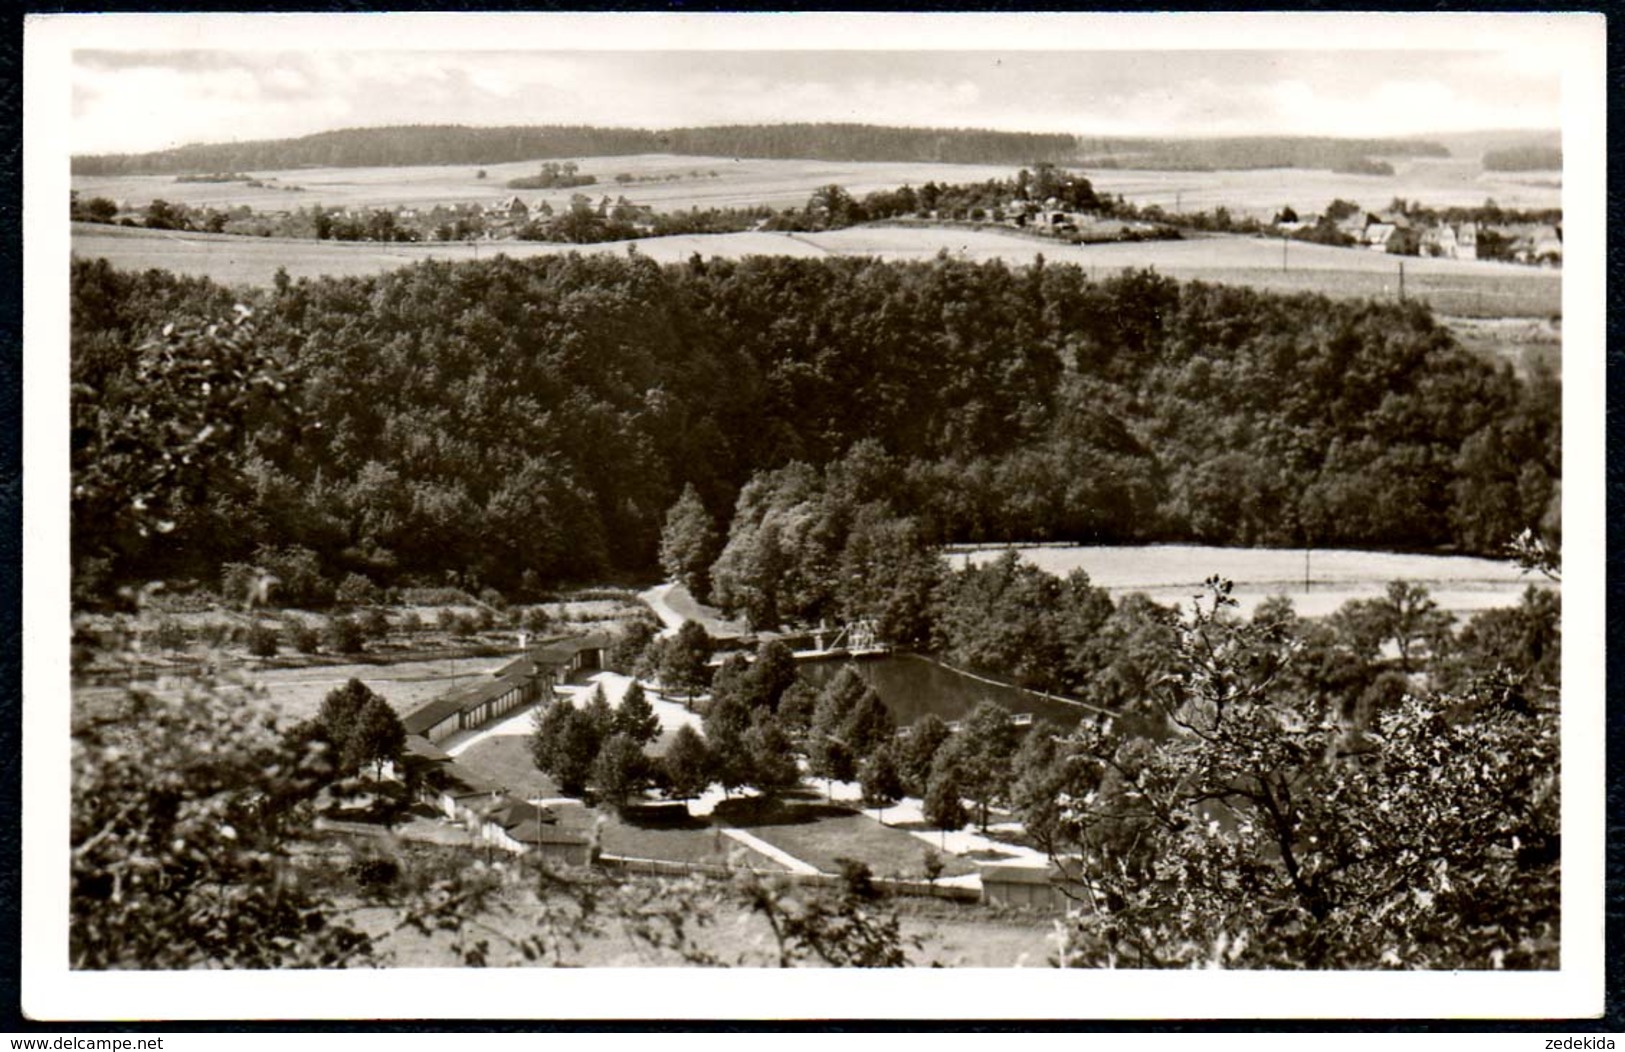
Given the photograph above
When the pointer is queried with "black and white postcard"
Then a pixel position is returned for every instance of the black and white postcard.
(953, 516)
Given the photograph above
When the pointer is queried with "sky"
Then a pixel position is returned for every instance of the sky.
(137, 99)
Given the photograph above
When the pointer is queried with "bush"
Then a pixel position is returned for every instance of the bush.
(305, 638)
(356, 590)
(216, 633)
(373, 623)
(410, 622)
(535, 620)
(493, 598)
(262, 641)
(375, 874)
(299, 576)
(237, 582)
(170, 634)
(858, 879)
(344, 636)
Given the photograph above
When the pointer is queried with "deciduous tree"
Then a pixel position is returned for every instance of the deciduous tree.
(688, 763)
(564, 744)
(620, 769)
(882, 785)
(979, 755)
(689, 544)
(683, 660)
(1254, 837)
(374, 737)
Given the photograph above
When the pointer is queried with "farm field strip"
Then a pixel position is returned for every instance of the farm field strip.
(1455, 287)
(749, 182)
(739, 183)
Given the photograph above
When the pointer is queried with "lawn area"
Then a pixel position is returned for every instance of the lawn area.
(819, 834)
(506, 759)
(695, 841)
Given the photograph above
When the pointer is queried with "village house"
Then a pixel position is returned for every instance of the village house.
(521, 828)
(1451, 241)
(1540, 244)
(1354, 226)
(1378, 236)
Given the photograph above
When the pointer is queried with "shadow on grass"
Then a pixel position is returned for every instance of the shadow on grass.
(986, 855)
(652, 818)
(757, 811)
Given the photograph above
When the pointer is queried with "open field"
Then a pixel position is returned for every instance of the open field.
(1435, 182)
(677, 183)
(1173, 573)
(686, 182)
(1456, 287)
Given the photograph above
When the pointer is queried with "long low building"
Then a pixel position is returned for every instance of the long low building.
(506, 689)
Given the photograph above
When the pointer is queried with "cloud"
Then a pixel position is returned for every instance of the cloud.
(142, 100)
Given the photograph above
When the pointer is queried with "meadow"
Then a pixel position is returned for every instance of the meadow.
(1454, 287)
(296, 693)
(1174, 573)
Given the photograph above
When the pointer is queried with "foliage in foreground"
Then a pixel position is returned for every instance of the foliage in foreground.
(1260, 834)
(192, 846)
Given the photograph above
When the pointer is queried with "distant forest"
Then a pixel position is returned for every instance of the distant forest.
(1250, 152)
(512, 421)
(454, 144)
(1531, 158)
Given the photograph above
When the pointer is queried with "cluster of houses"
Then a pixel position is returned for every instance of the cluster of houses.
(1398, 233)
(1052, 217)
(492, 815)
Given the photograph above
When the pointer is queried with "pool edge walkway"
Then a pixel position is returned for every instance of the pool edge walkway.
(757, 844)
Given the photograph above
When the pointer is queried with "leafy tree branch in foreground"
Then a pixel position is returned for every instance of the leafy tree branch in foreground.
(1259, 834)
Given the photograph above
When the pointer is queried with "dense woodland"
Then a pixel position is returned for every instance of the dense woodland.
(453, 144)
(503, 421)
